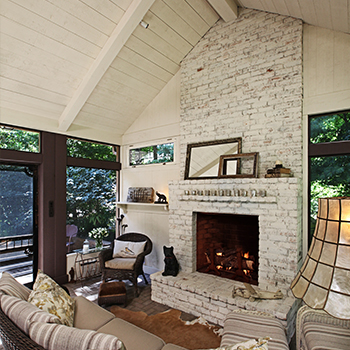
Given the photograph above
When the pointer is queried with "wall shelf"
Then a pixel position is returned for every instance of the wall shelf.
(146, 206)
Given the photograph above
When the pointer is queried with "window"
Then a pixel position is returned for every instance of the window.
(329, 160)
(91, 186)
(90, 150)
(161, 153)
(19, 139)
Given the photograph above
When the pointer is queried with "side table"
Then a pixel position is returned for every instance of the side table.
(86, 263)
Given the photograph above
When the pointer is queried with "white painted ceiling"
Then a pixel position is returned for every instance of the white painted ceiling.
(74, 65)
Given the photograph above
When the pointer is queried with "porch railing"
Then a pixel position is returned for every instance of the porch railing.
(16, 243)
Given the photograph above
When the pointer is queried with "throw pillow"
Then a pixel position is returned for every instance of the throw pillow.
(23, 313)
(59, 337)
(49, 296)
(251, 344)
(126, 249)
(10, 286)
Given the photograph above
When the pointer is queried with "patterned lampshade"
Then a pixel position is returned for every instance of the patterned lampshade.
(323, 281)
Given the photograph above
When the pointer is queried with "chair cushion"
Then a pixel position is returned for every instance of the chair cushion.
(60, 337)
(121, 263)
(127, 249)
(49, 296)
(10, 286)
(23, 313)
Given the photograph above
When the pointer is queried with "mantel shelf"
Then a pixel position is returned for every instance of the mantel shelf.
(151, 206)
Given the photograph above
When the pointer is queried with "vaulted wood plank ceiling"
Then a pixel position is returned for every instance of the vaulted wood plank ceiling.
(86, 67)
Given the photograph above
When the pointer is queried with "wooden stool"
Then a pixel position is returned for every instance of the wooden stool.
(111, 293)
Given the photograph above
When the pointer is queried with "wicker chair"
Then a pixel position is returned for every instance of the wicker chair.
(124, 274)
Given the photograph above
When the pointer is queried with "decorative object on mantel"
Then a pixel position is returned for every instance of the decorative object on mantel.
(242, 165)
(323, 280)
(252, 294)
(227, 193)
(140, 194)
(278, 171)
(161, 198)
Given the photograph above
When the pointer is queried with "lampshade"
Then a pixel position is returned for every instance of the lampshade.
(323, 281)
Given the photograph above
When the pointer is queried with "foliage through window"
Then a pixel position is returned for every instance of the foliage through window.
(329, 166)
(16, 200)
(161, 153)
(90, 150)
(19, 140)
(91, 199)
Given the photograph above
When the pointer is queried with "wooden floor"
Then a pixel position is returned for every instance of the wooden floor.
(89, 289)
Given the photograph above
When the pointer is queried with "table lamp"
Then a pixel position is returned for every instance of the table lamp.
(323, 281)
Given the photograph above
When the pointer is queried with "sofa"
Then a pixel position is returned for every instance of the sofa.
(25, 326)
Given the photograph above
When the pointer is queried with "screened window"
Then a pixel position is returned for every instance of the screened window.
(161, 153)
(19, 139)
(329, 160)
(90, 150)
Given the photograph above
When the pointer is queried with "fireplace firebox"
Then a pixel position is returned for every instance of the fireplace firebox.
(228, 246)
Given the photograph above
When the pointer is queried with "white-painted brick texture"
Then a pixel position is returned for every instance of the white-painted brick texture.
(243, 79)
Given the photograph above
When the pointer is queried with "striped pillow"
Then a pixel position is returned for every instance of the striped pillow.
(22, 313)
(10, 286)
(60, 337)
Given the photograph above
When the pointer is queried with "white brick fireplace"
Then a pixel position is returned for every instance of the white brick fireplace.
(243, 79)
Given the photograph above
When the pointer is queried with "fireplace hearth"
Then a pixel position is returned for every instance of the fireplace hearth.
(228, 246)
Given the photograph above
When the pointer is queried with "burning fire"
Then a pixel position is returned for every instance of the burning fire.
(246, 255)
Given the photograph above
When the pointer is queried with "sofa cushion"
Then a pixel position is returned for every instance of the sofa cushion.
(88, 315)
(241, 325)
(60, 337)
(23, 313)
(172, 347)
(127, 249)
(251, 344)
(49, 296)
(133, 337)
(121, 263)
(10, 286)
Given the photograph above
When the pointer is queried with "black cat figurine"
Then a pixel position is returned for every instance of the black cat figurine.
(171, 264)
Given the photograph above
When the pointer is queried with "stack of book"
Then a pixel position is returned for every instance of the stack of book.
(279, 171)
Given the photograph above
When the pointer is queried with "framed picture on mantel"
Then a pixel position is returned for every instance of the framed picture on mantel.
(238, 165)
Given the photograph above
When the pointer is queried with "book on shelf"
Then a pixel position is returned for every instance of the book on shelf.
(279, 175)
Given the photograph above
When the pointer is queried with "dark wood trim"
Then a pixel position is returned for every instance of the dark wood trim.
(329, 148)
(93, 163)
(11, 156)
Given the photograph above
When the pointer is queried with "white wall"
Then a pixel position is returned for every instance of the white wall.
(326, 66)
(158, 123)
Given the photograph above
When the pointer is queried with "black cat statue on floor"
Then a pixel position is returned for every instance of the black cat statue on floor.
(171, 264)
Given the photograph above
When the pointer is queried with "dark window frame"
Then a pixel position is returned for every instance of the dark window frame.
(323, 149)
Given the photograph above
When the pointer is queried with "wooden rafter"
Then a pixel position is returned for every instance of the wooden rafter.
(226, 9)
(132, 17)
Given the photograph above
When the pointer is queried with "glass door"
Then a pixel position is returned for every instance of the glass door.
(18, 221)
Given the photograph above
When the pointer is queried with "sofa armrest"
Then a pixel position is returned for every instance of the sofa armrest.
(316, 326)
(88, 315)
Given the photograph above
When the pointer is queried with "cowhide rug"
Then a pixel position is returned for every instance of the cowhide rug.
(197, 334)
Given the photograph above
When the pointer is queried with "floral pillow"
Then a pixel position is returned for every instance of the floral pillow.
(126, 249)
(47, 295)
(252, 344)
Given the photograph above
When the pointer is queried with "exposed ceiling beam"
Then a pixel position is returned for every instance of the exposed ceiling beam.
(226, 9)
(130, 20)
